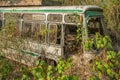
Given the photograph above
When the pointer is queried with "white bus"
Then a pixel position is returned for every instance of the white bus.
(51, 32)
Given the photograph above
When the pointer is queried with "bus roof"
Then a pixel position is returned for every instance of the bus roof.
(60, 9)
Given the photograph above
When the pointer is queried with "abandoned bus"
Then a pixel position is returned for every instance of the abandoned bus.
(50, 32)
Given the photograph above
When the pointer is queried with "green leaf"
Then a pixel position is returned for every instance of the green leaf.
(94, 78)
(106, 65)
(103, 69)
(104, 41)
(99, 73)
(37, 62)
(109, 72)
(99, 67)
(111, 65)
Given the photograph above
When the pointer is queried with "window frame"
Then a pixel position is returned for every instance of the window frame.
(1, 23)
(31, 15)
(55, 20)
(100, 26)
(1, 16)
(35, 23)
(13, 15)
(48, 28)
(70, 25)
(23, 34)
(72, 22)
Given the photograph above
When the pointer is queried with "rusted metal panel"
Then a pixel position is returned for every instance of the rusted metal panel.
(31, 51)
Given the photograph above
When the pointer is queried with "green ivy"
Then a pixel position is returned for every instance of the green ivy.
(44, 71)
(5, 68)
(98, 42)
(109, 67)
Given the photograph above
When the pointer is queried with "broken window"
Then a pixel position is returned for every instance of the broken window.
(14, 20)
(94, 26)
(58, 34)
(55, 17)
(12, 15)
(70, 32)
(34, 16)
(18, 28)
(1, 15)
(27, 16)
(27, 29)
(1, 23)
(70, 37)
(39, 32)
(54, 34)
(72, 18)
(34, 30)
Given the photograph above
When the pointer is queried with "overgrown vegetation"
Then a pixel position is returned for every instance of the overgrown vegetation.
(42, 71)
(98, 42)
(105, 66)
(5, 68)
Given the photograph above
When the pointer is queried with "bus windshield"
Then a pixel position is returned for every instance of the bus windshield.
(94, 26)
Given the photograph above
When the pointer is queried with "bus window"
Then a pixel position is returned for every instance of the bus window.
(94, 26)
(70, 37)
(14, 20)
(34, 16)
(12, 15)
(1, 24)
(54, 34)
(70, 32)
(1, 20)
(27, 16)
(27, 29)
(1, 16)
(39, 32)
(58, 34)
(55, 17)
(40, 17)
(72, 18)
(18, 28)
